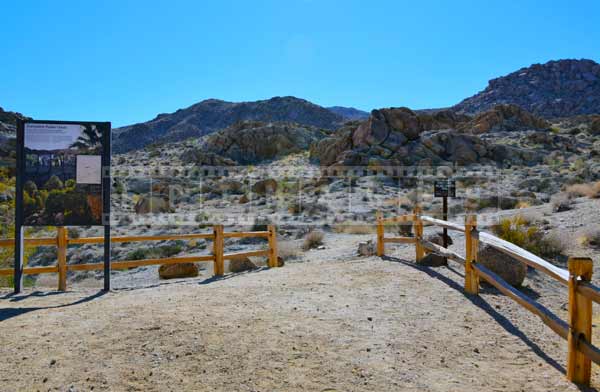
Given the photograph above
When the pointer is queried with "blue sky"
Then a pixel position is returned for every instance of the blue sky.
(126, 61)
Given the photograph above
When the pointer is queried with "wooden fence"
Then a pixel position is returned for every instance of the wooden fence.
(577, 330)
(218, 256)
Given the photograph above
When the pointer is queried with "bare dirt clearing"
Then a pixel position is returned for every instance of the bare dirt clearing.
(334, 323)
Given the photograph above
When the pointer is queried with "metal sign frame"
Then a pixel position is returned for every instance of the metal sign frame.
(106, 129)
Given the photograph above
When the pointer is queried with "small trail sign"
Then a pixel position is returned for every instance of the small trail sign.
(444, 188)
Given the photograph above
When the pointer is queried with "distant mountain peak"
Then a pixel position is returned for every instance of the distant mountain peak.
(558, 88)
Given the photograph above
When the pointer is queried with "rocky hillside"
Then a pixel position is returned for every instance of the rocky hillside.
(8, 128)
(349, 113)
(251, 142)
(212, 115)
(8, 122)
(560, 88)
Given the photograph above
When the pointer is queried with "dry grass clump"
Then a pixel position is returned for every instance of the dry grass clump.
(288, 250)
(591, 190)
(562, 202)
(591, 238)
(355, 228)
(313, 240)
(526, 234)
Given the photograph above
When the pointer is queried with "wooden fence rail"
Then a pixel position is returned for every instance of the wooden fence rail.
(218, 256)
(577, 330)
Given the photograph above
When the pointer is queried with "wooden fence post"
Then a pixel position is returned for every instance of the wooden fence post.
(273, 262)
(218, 244)
(418, 230)
(61, 243)
(579, 367)
(380, 234)
(472, 248)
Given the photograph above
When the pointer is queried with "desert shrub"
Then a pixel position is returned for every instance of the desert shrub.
(313, 239)
(526, 234)
(261, 224)
(591, 190)
(562, 202)
(288, 250)
(156, 252)
(591, 238)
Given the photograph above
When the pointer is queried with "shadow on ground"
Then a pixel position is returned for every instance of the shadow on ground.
(8, 313)
(489, 309)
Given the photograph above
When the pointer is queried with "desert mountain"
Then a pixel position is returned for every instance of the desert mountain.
(560, 88)
(349, 113)
(212, 115)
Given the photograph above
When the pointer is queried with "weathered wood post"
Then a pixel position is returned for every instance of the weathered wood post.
(579, 367)
(472, 247)
(273, 263)
(380, 233)
(218, 245)
(61, 243)
(418, 230)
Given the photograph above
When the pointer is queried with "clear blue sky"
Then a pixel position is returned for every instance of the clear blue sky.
(126, 61)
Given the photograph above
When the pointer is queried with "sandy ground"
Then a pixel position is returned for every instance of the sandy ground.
(335, 323)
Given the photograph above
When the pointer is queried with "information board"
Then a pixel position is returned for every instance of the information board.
(62, 174)
(63, 179)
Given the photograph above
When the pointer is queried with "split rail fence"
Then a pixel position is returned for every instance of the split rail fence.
(218, 256)
(577, 330)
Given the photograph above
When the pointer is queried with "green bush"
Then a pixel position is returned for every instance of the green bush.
(525, 234)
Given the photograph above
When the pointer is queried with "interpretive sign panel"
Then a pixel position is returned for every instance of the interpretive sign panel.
(62, 177)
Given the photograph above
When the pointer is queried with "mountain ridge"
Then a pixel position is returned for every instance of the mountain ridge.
(557, 88)
(211, 115)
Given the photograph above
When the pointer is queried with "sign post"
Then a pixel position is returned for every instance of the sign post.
(444, 189)
(63, 179)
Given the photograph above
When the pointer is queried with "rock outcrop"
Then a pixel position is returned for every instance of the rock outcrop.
(504, 118)
(400, 136)
(252, 142)
(555, 89)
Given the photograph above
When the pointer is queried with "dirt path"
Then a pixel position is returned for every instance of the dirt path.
(332, 324)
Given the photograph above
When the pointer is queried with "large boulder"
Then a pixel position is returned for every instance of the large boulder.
(266, 186)
(326, 151)
(508, 268)
(180, 270)
(229, 186)
(152, 205)
(241, 264)
(438, 238)
(432, 260)
(366, 248)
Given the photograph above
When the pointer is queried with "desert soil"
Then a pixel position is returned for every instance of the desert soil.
(329, 322)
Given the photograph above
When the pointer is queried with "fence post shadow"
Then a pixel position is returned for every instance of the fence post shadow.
(8, 313)
(489, 309)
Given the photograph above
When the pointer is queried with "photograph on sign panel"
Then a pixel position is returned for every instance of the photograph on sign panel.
(62, 183)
